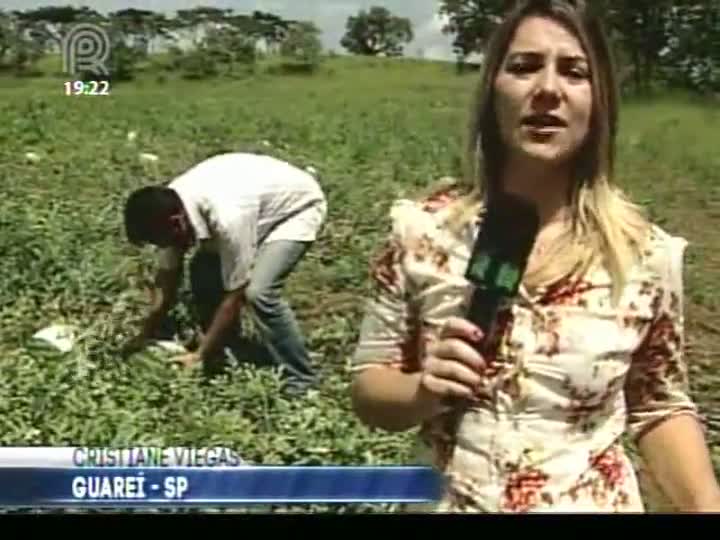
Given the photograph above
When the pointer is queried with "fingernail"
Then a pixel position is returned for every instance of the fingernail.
(477, 335)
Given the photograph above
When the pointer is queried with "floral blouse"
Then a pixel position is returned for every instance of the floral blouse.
(570, 375)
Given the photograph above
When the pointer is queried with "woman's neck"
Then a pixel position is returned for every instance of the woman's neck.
(546, 187)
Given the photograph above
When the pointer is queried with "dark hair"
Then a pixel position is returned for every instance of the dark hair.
(146, 209)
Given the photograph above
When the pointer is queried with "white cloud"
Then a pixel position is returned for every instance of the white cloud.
(428, 36)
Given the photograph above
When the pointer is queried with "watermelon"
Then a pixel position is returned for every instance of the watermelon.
(56, 338)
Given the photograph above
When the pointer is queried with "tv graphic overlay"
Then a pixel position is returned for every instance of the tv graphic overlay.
(86, 88)
(151, 476)
(85, 53)
(86, 49)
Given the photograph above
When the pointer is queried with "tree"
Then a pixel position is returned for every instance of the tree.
(642, 33)
(377, 32)
(230, 48)
(302, 47)
(141, 26)
(272, 29)
(675, 41)
(199, 19)
(56, 21)
(471, 22)
(691, 58)
(8, 35)
(21, 46)
(672, 40)
(225, 49)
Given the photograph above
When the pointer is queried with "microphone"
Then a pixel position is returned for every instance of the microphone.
(499, 257)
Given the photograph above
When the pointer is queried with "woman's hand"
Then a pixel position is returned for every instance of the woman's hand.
(453, 366)
(452, 372)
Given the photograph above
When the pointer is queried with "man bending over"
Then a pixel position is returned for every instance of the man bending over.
(252, 218)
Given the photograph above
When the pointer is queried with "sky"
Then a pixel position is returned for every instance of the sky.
(328, 15)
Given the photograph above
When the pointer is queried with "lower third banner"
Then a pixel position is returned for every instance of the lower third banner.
(133, 486)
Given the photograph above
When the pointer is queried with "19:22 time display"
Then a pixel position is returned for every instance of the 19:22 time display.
(87, 88)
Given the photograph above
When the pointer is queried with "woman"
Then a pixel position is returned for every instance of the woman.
(591, 347)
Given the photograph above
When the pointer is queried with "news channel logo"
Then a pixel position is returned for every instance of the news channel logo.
(86, 49)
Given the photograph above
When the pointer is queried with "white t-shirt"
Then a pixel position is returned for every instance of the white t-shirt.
(237, 202)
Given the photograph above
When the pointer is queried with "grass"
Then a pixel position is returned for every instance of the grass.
(375, 130)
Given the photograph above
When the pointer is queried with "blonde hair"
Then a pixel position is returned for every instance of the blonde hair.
(607, 228)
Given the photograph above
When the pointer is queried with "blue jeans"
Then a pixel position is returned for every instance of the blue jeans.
(277, 323)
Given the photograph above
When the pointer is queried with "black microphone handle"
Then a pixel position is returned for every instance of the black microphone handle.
(482, 312)
(484, 306)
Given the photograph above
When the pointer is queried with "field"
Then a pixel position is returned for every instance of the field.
(374, 130)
